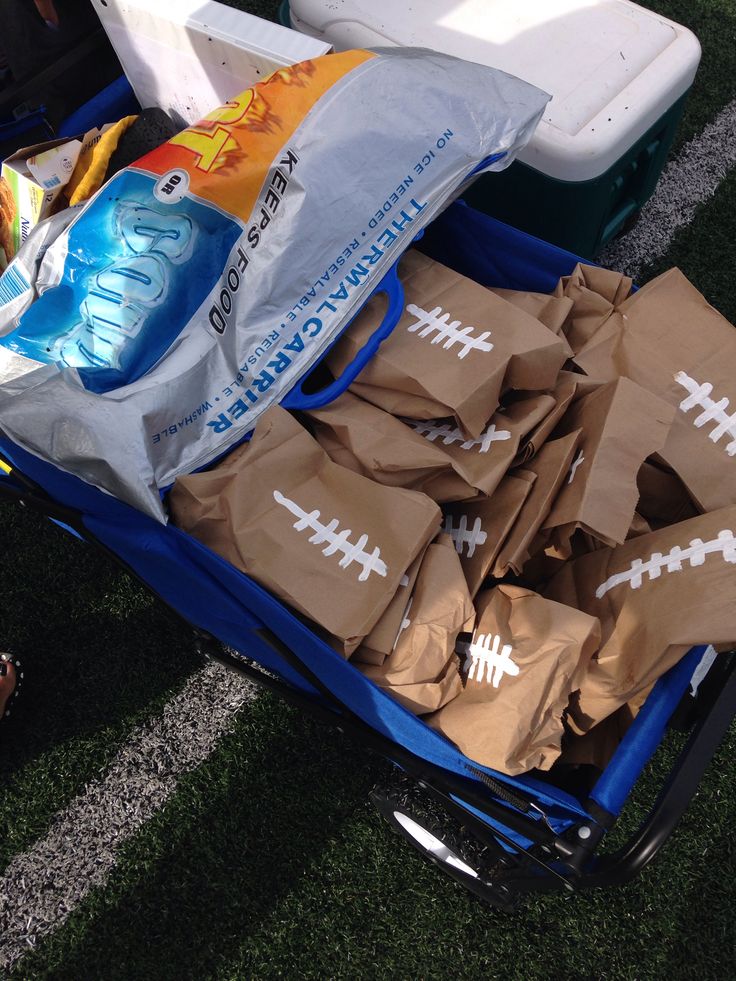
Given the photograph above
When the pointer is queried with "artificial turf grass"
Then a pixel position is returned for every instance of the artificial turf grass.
(213, 845)
(99, 656)
(359, 904)
(705, 250)
(714, 24)
(306, 880)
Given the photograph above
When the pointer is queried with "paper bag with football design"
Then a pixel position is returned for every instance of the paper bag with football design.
(369, 441)
(456, 348)
(422, 671)
(655, 596)
(327, 541)
(526, 657)
(479, 528)
(484, 461)
(621, 424)
(672, 342)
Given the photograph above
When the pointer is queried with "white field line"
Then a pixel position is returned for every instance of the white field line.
(41, 887)
(687, 181)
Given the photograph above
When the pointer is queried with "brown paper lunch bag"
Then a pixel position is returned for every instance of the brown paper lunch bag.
(380, 642)
(422, 670)
(548, 470)
(327, 541)
(621, 424)
(526, 657)
(484, 461)
(655, 596)
(594, 293)
(372, 442)
(669, 340)
(456, 348)
(479, 528)
(553, 311)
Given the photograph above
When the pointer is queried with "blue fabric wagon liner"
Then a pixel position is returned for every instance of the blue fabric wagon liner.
(541, 835)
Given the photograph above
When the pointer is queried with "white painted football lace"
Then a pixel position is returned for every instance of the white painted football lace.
(433, 430)
(447, 330)
(715, 412)
(405, 623)
(334, 541)
(488, 659)
(462, 536)
(575, 464)
(673, 561)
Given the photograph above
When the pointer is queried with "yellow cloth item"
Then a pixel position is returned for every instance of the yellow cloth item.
(92, 164)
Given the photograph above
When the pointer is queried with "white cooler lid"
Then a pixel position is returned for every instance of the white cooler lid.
(612, 67)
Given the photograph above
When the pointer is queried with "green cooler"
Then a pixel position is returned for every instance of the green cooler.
(618, 75)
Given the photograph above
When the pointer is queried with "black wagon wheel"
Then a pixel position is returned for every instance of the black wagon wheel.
(443, 840)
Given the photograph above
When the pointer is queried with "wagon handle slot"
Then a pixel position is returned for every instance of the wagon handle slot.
(391, 286)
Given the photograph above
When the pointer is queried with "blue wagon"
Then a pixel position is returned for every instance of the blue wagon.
(502, 837)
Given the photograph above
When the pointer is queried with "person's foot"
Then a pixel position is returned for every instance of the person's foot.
(8, 683)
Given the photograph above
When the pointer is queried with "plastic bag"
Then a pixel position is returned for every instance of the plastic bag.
(199, 285)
